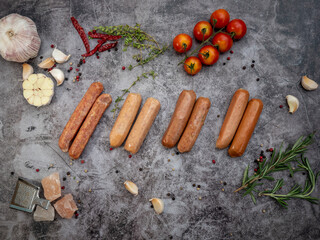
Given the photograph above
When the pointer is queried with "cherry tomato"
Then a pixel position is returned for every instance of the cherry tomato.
(182, 43)
(202, 30)
(238, 27)
(208, 55)
(221, 16)
(224, 42)
(192, 65)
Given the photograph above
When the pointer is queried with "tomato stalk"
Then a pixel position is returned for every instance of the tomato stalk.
(201, 45)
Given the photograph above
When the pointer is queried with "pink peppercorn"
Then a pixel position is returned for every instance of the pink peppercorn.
(123, 68)
(111, 149)
(52, 46)
(214, 161)
(281, 106)
(62, 187)
(130, 156)
(37, 170)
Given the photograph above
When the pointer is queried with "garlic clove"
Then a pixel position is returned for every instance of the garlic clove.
(58, 75)
(131, 187)
(47, 63)
(293, 103)
(308, 84)
(157, 204)
(27, 70)
(59, 56)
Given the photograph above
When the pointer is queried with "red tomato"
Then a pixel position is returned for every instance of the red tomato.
(202, 30)
(208, 55)
(222, 17)
(182, 43)
(224, 42)
(238, 27)
(192, 65)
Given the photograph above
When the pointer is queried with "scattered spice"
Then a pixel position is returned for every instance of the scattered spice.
(111, 149)
(173, 198)
(70, 68)
(252, 65)
(85, 170)
(193, 185)
(228, 58)
(224, 183)
(64, 178)
(77, 69)
(214, 161)
(258, 79)
(218, 116)
(37, 170)
(70, 63)
(177, 153)
(181, 188)
(200, 198)
(172, 169)
(263, 210)
(117, 171)
(90, 190)
(140, 169)
(123, 68)
(168, 194)
(231, 52)
(224, 63)
(130, 156)
(68, 173)
(253, 61)
(198, 189)
(172, 154)
(12, 173)
(168, 160)
(281, 106)
(62, 187)
(199, 186)
(244, 67)
(41, 57)
(261, 145)
(222, 189)
(52, 46)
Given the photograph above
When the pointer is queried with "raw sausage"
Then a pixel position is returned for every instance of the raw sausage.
(89, 125)
(233, 117)
(142, 125)
(179, 118)
(125, 119)
(79, 115)
(195, 123)
(246, 128)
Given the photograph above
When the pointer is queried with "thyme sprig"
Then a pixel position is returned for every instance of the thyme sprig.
(125, 91)
(136, 38)
(281, 161)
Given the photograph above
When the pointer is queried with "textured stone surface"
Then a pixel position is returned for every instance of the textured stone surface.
(51, 186)
(41, 214)
(282, 38)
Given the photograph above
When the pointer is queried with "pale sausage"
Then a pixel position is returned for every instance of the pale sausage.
(125, 119)
(142, 125)
(195, 123)
(89, 125)
(179, 118)
(246, 128)
(233, 117)
(79, 115)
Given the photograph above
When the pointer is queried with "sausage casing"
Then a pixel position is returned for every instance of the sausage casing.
(78, 116)
(180, 118)
(89, 125)
(125, 119)
(142, 125)
(233, 117)
(246, 128)
(195, 123)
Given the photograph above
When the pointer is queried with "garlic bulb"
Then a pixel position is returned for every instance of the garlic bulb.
(59, 56)
(19, 39)
(58, 75)
(27, 70)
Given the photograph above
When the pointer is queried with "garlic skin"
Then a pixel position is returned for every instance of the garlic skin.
(157, 204)
(59, 56)
(58, 75)
(47, 63)
(293, 103)
(19, 39)
(308, 84)
(131, 187)
(27, 70)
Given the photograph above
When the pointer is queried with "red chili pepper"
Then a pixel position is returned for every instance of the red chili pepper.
(93, 51)
(81, 33)
(104, 36)
(107, 46)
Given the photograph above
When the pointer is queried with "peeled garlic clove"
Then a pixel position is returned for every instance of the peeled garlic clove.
(47, 63)
(58, 75)
(27, 70)
(308, 84)
(293, 103)
(131, 187)
(59, 56)
(157, 205)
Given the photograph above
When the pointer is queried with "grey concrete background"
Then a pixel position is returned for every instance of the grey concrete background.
(282, 38)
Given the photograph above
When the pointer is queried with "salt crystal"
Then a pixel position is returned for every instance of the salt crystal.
(51, 186)
(66, 206)
(42, 214)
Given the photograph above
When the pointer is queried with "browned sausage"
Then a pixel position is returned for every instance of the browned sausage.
(89, 125)
(79, 115)
(195, 123)
(125, 119)
(233, 117)
(246, 128)
(142, 125)
(179, 118)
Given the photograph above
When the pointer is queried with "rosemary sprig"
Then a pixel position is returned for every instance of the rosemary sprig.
(296, 191)
(125, 91)
(278, 162)
(136, 38)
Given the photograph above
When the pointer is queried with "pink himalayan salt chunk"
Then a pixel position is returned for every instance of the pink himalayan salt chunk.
(66, 206)
(52, 186)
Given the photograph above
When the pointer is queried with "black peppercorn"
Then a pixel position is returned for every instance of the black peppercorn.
(244, 67)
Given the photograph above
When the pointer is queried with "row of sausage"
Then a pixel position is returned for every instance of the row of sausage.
(184, 128)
